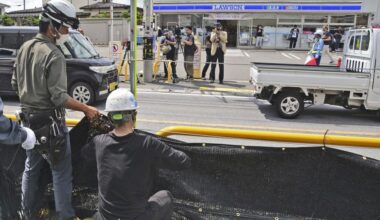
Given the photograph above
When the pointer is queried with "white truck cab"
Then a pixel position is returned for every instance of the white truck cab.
(355, 84)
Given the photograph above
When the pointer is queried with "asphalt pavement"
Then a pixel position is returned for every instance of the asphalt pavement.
(232, 105)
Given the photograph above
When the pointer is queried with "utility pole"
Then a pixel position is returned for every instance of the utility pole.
(148, 41)
(133, 36)
(111, 13)
(24, 5)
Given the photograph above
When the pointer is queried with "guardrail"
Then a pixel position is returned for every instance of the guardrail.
(323, 139)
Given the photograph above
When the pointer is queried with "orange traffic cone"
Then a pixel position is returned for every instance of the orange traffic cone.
(310, 61)
(339, 63)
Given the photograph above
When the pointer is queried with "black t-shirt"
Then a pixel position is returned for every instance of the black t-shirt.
(127, 167)
(259, 32)
(189, 49)
(327, 35)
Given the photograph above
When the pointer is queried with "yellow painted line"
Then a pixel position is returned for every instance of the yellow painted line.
(323, 139)
(376, 134)
(251, 91)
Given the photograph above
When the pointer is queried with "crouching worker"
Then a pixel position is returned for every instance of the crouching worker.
(127, 164)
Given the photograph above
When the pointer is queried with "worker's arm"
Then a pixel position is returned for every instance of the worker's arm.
(57, 86)
(10, 132)
(168, 157)
(89, 111)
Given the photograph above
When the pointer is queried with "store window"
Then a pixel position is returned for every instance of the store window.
(245, 33)
(362, 20)
(316, 19)
(346, 19)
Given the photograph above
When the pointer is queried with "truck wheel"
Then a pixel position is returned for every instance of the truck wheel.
(82, 92)
(289, 104)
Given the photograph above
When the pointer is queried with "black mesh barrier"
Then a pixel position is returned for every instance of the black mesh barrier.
(235, 182)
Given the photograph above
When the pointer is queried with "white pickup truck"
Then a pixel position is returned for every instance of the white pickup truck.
(355, 84)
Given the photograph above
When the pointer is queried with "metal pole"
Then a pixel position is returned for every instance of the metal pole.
(148, 41)
(24, 5)
(111, 13)
(133, 36)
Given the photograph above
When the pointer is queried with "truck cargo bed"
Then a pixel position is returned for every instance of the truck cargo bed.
(311, 77)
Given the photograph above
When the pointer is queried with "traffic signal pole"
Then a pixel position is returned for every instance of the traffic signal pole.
(148, 41)
(133, 36)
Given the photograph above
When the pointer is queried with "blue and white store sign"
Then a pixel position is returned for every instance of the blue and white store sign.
(256, 7)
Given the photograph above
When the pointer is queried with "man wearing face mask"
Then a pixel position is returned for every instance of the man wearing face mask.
(40, 80)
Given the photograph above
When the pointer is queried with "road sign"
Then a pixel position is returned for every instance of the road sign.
(115, 49)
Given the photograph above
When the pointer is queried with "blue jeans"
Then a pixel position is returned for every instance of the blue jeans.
(62, 183)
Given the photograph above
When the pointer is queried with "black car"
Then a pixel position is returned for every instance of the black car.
(90, 77)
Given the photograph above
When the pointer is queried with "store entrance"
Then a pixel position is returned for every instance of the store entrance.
(230, 26)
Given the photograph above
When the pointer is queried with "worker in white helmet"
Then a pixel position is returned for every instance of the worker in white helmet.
(40, 80)
(317, 48)
(127, 163)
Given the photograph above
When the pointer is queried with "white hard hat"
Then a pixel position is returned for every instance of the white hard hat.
(320, 32)
(121, 100)
(62, 12)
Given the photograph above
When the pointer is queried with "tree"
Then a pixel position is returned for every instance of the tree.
(31, 21)
(126, 14)
(7, 21)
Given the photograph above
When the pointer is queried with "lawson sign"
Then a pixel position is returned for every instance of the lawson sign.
(228, 7)
(256, 7)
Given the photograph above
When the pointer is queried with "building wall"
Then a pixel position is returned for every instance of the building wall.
(92, 27)
(79, 3)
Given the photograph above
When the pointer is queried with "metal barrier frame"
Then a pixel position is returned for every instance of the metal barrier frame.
(322, 139)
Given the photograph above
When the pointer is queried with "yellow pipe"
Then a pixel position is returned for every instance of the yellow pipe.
(69, 122)
(273, 136)
(259, 135)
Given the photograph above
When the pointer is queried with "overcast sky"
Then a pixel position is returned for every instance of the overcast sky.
(18, 4)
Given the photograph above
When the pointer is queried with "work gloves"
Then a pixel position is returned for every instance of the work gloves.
(30, 139)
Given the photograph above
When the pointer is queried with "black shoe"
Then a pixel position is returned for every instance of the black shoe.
(212, 81)
(221, 82)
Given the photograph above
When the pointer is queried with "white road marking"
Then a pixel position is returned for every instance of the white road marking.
(198, 94)
(234, 53)
(245, 53)
(287, 56)
(294, 56)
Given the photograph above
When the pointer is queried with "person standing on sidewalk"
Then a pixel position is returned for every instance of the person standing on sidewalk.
(294, 33)
(318, 46)
(259, 36)
(170, 41)
(338, 35)
(218, 49)
(189, 50)
(208, 56)
(328, 40)
(40, 79)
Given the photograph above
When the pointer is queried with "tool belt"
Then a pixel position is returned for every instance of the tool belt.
(50, 130)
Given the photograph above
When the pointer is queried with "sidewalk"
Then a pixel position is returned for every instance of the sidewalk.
(237, 88)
